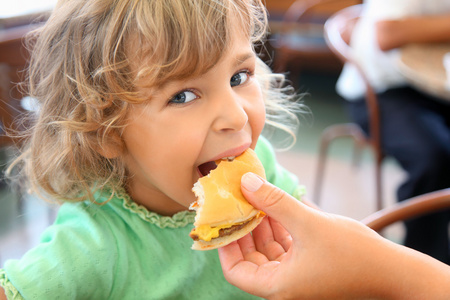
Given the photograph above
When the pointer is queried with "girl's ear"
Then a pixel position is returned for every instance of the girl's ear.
(109, 145)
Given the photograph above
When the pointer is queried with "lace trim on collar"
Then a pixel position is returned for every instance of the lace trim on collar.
(180, 219)
(10, 291)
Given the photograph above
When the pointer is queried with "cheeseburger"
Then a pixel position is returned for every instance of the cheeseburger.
(223, 214)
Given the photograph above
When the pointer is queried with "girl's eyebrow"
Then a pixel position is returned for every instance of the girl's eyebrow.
(242, 58)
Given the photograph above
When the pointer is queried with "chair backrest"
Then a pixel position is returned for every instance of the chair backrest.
(414, 207)
(303, 9)
(337, 31)
(297, 35)
(302, 14)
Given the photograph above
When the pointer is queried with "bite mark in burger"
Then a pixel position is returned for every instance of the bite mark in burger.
(223, 214)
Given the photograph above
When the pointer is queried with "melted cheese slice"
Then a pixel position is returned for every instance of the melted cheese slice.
(207, 233)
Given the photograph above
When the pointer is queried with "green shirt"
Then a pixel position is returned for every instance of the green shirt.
(120, 250)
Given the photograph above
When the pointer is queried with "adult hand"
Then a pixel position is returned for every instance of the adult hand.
(298, 252)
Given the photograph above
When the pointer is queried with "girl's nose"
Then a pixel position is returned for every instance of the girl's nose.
(231, 113)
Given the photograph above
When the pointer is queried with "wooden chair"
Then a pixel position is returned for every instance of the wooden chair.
(413, 207)
(337, 33)
(298, 40)
(13, 60)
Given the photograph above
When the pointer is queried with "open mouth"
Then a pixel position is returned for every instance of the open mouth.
(206, 168)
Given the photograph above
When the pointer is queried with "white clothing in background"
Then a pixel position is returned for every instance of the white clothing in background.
(379, 66)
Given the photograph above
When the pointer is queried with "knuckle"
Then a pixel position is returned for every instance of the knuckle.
(274, 197)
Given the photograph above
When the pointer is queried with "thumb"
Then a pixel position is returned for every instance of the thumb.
(276, 203)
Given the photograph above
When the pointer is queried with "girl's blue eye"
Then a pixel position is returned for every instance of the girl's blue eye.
(183, 97)
(239, 78)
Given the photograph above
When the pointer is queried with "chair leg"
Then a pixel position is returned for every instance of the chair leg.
(360, 141)
(378, 184)
(330, 133)
(323, 149)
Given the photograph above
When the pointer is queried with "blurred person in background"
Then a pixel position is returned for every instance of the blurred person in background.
(415, 128)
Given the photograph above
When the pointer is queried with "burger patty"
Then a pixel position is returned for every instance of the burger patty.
(225, 231)
(230, 230)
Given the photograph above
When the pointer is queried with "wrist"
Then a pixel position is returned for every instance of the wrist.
(410, 274)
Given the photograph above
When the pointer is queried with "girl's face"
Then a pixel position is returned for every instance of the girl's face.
(188, 123)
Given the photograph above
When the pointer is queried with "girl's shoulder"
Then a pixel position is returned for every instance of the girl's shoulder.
(265, 151)
(91, 246)
(275, 173)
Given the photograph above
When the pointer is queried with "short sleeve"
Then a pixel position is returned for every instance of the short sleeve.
(71, 261)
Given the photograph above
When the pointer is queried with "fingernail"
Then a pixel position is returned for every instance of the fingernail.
(251, 182)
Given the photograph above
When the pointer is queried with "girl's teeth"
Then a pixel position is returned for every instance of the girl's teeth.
(229, 158)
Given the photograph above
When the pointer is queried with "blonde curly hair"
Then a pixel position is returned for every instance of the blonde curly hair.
(81, 72)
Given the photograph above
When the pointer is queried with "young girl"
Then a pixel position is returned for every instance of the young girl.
(136, 97)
